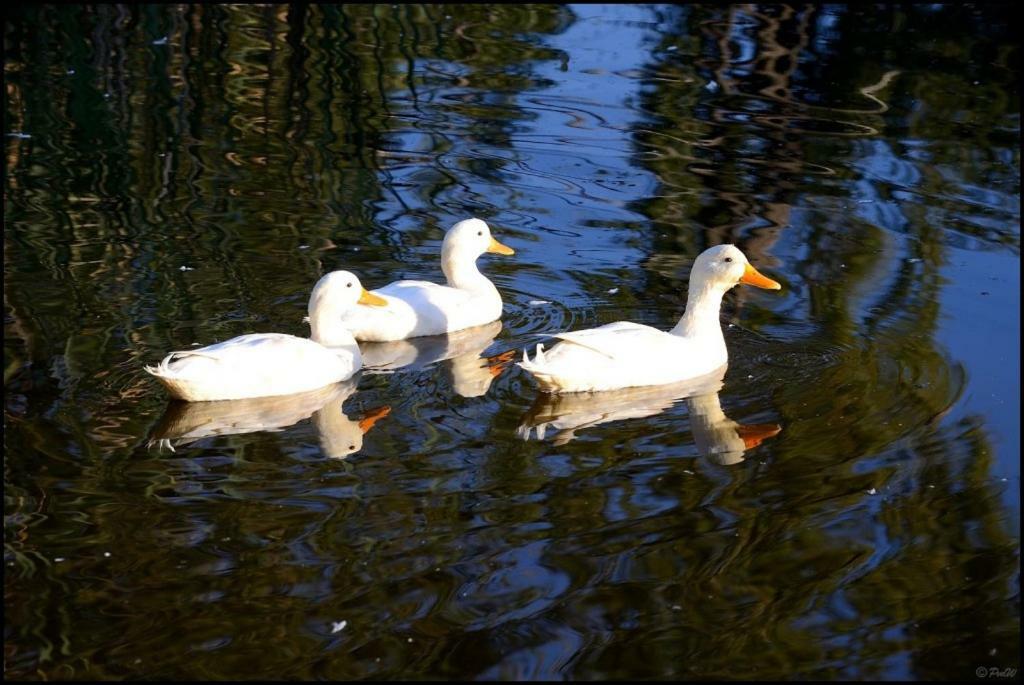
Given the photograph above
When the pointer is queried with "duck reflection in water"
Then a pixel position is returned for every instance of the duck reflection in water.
(340, 436)
(718, 438)
(470, 373)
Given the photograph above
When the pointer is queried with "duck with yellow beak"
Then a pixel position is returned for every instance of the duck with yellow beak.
(625, 354)
(416, 308)
(271, 364)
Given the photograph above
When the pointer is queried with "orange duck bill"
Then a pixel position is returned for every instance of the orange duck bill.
(756, 433)
(498, 248)
(373, 417)
(752, 276)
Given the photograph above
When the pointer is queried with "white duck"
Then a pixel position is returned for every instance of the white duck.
(267, 364)
(340, 436)
(625, 354)
(471, 374)
(717, 437)
(416, 308)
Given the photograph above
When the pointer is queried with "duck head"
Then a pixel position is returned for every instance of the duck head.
(341, 290)
(332, 295)
(463, 243)
(470, 238)
(724, 266)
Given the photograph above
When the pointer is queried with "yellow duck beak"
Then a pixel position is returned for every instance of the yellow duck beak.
(752, 276)
(498, 248)
(374, 300)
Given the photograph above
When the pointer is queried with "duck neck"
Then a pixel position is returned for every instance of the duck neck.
(461, 272)
(706, 410)
(326, 328)
(701, 318)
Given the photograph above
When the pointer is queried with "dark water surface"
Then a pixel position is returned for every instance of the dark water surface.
(183, 174)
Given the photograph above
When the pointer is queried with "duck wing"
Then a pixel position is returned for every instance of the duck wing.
(617, 341)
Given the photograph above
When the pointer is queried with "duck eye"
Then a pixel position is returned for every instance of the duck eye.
(348, 285)
(479, 232)
(728, 259)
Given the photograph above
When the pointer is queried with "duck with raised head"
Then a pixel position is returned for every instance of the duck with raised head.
(625, 354)
(268, 364)
(417, 308)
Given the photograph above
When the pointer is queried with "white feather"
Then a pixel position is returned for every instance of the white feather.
(625, 354)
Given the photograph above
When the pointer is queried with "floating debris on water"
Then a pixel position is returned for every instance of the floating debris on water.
(338, 626)
(537, 303)
(186, 268)
(612, 291)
